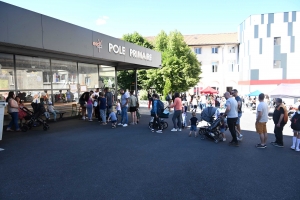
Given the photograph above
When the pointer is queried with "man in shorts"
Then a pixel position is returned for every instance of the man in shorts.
(261, 121)
(234, 93)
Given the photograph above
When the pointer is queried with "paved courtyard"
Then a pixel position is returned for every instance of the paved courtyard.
(82, 160)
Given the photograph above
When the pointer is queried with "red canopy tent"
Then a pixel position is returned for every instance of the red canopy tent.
(209, 90)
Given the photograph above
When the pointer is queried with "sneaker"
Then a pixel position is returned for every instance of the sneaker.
(235, 144)
(152, 130)
(224, 139)
(9, 129)
(260, 146)
(83, 118)
(239, 138)
(90, 120)
(278, 145)
(297, 149)
(132, 123)
(174, 129)
(241, 135)
(159, 131)
(273, 143)
(120, 124)
(179, 129)
(293, 147)
(125, 125)
(190, 134)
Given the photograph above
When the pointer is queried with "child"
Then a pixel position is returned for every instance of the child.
(51, 110)
(118, 107)
(223, 126)
(193, 123)
(184, 109)
(138, 115)
(295, 125)
(113, 118)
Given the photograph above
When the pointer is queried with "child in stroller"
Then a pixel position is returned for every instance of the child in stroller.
(212, 130)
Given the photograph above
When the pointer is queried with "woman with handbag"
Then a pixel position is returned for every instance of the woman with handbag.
(13, 110)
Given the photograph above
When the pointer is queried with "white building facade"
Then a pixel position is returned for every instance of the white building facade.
(218, 55)
(269, 51)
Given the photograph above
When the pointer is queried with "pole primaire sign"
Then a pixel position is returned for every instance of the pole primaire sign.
(118, 49)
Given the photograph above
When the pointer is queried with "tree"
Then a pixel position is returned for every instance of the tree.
(126, 79)
(180, 67)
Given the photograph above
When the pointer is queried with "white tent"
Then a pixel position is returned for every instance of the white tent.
(286, 91)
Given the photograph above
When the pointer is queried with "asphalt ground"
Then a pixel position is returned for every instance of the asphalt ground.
(77, 159)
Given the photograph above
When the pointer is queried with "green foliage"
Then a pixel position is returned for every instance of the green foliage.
(143, 95)
(138, 39)
(180, 68)
(167, 88)
(126, 79)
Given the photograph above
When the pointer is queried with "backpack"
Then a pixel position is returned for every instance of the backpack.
(160, 107)
(295, 122)
(168, 98)
(286, 116)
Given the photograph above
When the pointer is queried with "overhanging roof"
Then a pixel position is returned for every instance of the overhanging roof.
(29, 33)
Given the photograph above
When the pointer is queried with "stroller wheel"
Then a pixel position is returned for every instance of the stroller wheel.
(201, 134)
(216, 141)
(45, 128)
(24, 128)
(150, 125)
(165, 125)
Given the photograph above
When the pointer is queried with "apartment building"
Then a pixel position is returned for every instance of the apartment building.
(218, 55)
(269, 51)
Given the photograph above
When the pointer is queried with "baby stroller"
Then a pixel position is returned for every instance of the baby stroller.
(35, 119)
(163, 123)
(210, 131)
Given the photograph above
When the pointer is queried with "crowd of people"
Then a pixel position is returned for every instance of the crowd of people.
(100, 105)
(230, 107)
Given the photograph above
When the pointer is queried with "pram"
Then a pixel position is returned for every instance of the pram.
(163, 123)
(210, 131)
(35, 117)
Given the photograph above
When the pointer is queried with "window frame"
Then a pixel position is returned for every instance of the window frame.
(198, 48)
(277, 40)
(214, 50)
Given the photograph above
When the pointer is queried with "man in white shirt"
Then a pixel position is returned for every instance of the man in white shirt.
(261, 121)
(232, 115)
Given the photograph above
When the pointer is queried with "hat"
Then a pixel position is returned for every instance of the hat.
(234, 90)
(49, 103)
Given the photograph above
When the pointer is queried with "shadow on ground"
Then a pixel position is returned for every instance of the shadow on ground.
(77, 159)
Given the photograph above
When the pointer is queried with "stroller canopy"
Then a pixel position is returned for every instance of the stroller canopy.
(208, 113)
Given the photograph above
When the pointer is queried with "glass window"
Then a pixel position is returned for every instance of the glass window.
(277, 41)
(33, 77)
(214, 67)
(231, 49)
(214, 50)
(277, 64)
(7, 81)
(107, 77)
(197, 50)
(33, 73)
(64, 81)
(88, 76)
